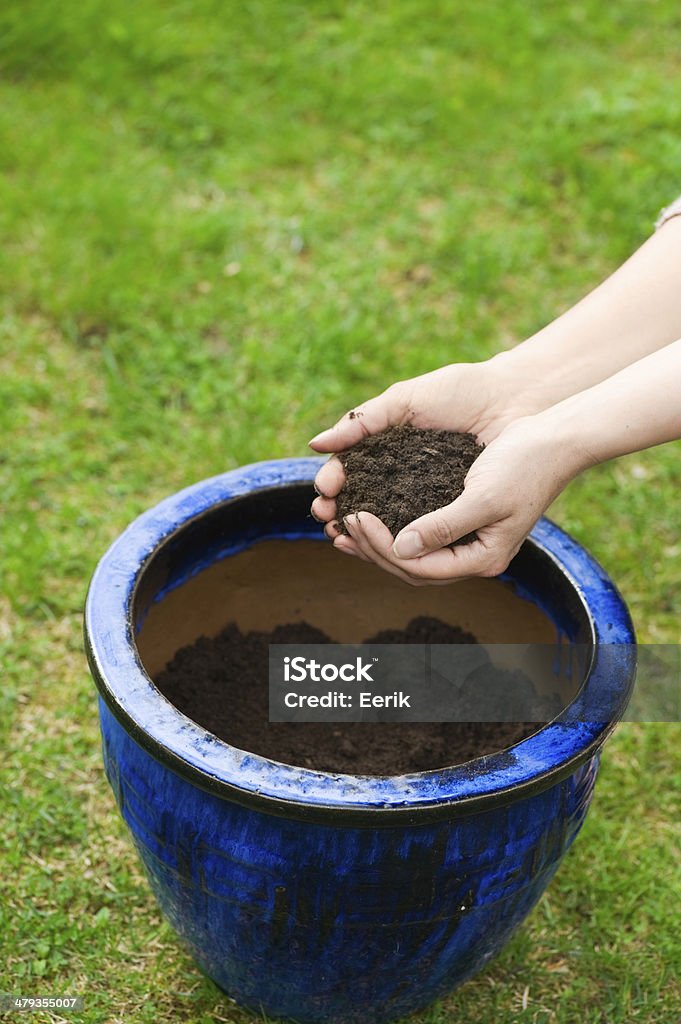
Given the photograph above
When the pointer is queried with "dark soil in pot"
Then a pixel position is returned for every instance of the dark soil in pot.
(222, 684)
(404, 473)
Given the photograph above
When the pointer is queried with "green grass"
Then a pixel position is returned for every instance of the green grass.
(210, 218)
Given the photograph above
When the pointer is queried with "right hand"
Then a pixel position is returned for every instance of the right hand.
(475, 398)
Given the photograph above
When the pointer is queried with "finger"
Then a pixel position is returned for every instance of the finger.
(370, 532)
(330, 478)
(371, 552)
(436, 530)
(348, 546)
(483, 557)
(375, 540)
(323, 509)
(462, 562)
(331, 530)
(385, 410)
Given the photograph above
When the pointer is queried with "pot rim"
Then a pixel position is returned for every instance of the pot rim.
(547, 756)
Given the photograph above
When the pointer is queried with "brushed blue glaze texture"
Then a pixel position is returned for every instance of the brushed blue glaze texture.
(325, 923)
(324, 897)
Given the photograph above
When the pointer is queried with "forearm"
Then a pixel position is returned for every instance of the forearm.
(636, 408)
(634, 312)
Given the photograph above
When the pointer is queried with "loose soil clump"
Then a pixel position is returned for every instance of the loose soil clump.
(404, 473)
(222, 684)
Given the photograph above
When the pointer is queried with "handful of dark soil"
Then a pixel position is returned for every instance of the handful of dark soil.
(404, 473)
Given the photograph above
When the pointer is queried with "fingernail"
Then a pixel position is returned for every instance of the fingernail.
(348, 525)
(316, 518)
(408, 545)
(317, 437)
(320, 493)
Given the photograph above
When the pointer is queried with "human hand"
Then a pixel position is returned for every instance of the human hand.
(506, 490)
(475, 398)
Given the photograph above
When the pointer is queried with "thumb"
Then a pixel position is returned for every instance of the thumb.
(371, 417)
(440, 528)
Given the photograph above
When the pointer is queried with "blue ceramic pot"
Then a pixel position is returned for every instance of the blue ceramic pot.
(321, 897)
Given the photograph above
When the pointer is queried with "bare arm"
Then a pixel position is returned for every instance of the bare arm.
(636, 311)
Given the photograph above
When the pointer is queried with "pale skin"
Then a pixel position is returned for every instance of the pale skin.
(602, 380)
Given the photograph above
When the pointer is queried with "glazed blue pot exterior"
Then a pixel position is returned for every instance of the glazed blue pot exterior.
(320, 897)
(317, 922)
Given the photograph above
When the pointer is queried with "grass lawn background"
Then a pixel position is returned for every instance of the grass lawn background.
(221, 225)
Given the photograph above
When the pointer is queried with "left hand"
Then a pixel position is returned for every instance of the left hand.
(506, 490)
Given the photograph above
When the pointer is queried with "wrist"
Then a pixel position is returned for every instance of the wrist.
(561, 360)
(569, 433)
(521, 389)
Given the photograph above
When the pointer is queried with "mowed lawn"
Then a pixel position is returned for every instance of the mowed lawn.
(221, 225)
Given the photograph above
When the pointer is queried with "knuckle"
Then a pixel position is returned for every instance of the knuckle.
(495, 566)
(485, 501)
(440, 533)
(396, 393)
(489, 572)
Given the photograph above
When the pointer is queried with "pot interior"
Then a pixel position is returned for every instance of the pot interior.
(257, 560)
